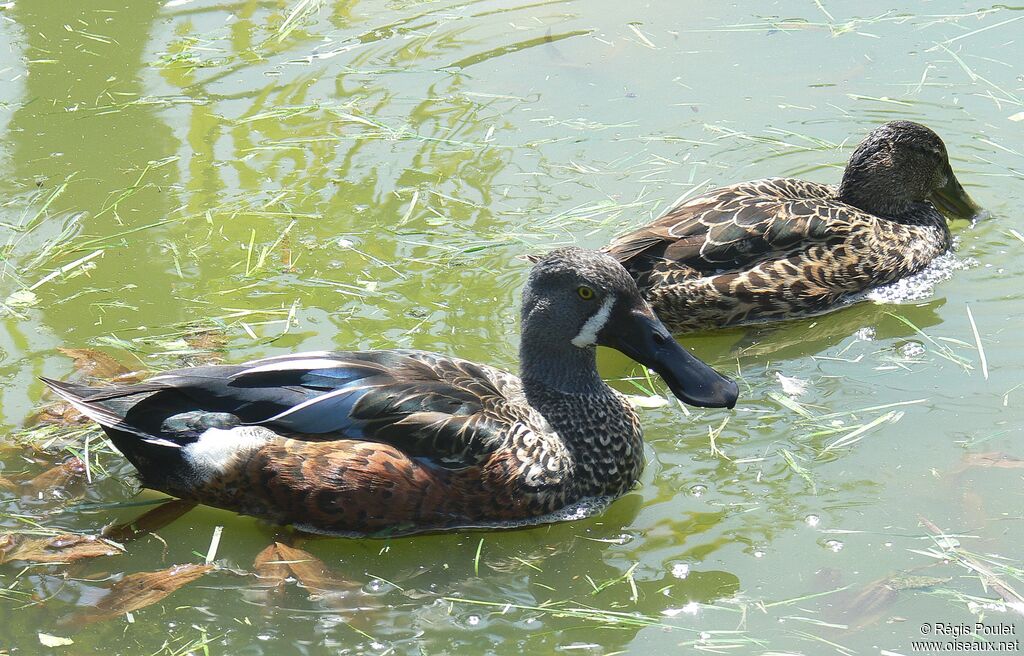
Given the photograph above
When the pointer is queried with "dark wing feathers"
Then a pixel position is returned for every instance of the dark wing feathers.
(330, 412)
(425, 404)
(731, 228)
(107, 406)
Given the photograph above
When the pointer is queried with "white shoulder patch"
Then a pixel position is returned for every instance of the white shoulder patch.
(216, 449)
(588, 333)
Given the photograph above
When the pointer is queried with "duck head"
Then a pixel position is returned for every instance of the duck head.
(902, 163)
(578, 299)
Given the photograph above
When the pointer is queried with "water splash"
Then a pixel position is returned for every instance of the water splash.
(834, 545)
(866, 334)
(681, 570)
(922, 284)
(912, 350)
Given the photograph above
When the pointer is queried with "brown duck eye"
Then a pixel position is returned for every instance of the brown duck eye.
(586, 293)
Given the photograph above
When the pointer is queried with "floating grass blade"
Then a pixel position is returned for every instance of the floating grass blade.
(859, 434)
(799, 469)
(67, 268)
(211, 553)
(977, 31)
(300, 11)
(561, 609)
(791, 404)
(977, 341)
(943, 350)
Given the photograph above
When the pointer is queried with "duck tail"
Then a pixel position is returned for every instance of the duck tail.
(632, 245)
(90, 402)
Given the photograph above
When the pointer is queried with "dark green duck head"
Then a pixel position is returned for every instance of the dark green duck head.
(577, 299)
(899, 164)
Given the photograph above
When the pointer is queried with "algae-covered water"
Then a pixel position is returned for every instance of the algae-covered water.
(193, 181)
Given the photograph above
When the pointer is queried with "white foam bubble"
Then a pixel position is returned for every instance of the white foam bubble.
(921, 285)
(866, 334)
(912, 350)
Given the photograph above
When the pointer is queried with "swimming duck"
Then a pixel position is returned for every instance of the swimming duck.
(396, 441)
(783, 247)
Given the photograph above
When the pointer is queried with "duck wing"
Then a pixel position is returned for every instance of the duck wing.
(732, 228)
(448, 410)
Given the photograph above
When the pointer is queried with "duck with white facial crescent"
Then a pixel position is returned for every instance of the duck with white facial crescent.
(397, 441)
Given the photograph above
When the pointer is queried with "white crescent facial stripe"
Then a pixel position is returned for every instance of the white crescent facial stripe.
(588, 333)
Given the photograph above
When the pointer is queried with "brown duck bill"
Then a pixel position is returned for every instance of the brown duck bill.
(638, 334)
(953, 201)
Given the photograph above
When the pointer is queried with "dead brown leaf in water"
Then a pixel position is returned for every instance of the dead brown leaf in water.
(991, 459)
(988, 577)
(63, 548)
(92, 364)
(96, 364)
(207, 340)
(150, 521)
(59, 476)
(8, 485)
(208, 347)
(271, 568)
(61, 413)
(139, 590)
(309, 570)
(873, 601)
(274, 564)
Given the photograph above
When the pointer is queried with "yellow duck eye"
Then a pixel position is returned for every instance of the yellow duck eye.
(586, 293)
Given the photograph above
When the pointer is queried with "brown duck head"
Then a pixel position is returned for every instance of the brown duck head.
(902, 163)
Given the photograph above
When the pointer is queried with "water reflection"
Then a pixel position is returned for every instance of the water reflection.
(821, 335)
(77, 125)
(339, 176)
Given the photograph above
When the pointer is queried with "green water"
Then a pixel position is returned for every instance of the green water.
(368, 175)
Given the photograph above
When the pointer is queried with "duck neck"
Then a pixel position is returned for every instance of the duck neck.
(873, 195)
(560, 379)
(557, 374)
(598, 428)
(568, 370)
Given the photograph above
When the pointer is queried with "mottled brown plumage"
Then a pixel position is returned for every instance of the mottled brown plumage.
(400, 441)
(782, 247)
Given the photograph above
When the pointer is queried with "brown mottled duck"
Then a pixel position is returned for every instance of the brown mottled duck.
(782, 247)
(395, 441)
